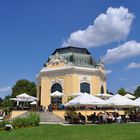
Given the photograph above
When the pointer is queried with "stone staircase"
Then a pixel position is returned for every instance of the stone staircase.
(45, 117)
(50, 117)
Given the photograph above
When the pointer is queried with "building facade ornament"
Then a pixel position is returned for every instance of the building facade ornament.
(56, 59)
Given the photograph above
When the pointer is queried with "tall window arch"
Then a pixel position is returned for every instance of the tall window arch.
(85, 87)
(56, 87)
(102, 89)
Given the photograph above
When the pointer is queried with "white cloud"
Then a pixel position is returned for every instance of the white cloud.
(133, 65)
(5, 89)
(122, 79)
(126, 50)
(114, 25)
(108, 71)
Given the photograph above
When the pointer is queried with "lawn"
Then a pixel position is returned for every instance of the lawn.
(85, 132)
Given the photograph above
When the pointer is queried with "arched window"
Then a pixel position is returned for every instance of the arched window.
(102, 90)
(85, 87)
(56, 87)
(56, 100)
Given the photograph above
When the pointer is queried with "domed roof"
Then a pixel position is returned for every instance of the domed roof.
(80, 57)
(71, 49)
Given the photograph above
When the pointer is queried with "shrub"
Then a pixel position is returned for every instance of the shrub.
(32, 120)
(2, 124)
(19, 122)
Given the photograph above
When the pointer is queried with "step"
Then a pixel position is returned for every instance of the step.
(45, 117)
(49, 117)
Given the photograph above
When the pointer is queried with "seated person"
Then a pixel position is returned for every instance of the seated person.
(61, 106)
(110, 118)
(100, 118)
(94, 117)
(67, 117)
(119, 119)
(82, 118)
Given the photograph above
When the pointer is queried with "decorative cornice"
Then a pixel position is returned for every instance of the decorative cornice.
(70, 69)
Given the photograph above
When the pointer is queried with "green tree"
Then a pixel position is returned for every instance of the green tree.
(24, 86)
(7, 104)
(122, 91)
(1, 100)
(137, 92)
(70, 98)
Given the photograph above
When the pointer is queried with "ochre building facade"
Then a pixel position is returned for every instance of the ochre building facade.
(70, 70)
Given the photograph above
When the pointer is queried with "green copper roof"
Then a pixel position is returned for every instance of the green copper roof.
(71, 49)
(77, 56)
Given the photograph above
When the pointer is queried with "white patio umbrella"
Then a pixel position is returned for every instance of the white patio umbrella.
(129, 96)
(33, 103)
(120, 102)
(21, 100)
(104, 96)
(26, 97)
(75, 94)
(13, 99)
(85, 100)
(56, 94)
(137, 101)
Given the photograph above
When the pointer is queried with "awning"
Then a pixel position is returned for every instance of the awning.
(56, 94)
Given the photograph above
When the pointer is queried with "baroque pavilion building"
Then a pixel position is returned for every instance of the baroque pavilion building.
(70, 70)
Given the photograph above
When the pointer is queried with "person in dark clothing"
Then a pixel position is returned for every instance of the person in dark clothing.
(50, 108)
(82, 118)
(94, 117)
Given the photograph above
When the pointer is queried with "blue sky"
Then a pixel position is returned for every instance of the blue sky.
(30, 30)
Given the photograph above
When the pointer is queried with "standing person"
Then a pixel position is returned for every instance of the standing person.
(50, 108)
(94, 117)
